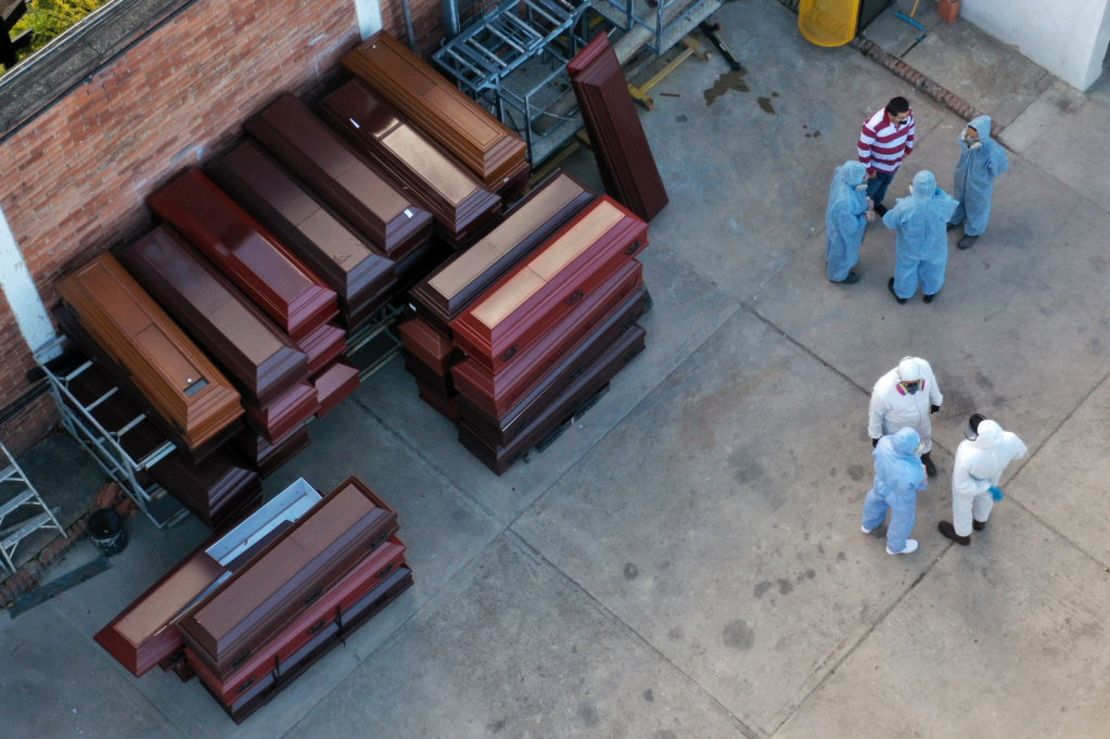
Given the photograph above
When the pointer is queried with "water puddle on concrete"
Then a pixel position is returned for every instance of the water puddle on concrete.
(733, 80)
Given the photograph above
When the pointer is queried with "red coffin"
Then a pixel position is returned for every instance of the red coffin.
(264, 456)
(538, 292)
(285, 414)
(495, 393)
(265, 269)
(323, 346)
(334, 385)
(428, 345)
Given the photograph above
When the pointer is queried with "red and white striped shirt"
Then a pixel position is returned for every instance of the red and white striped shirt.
(883, 144)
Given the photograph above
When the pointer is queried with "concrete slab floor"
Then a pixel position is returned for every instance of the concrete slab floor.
(686, 561)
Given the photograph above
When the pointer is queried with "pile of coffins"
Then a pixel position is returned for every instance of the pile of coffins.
(250, 610)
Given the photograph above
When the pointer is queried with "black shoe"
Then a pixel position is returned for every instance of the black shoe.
(928, 298)
(978, 525)
(930, 468)
(851, 279)
(890, 286)
(966, 242)
(880, 210)
(951, 226)
(949, 532)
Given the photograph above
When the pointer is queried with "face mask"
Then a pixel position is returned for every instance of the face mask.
(862, 187)
(920, 450)
(912, 387)
(970, 435)
(976, 146)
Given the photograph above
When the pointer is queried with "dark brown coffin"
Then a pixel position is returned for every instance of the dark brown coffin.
(502, 431)
(360, 276)
(496, 392)
(571, 402)
(441, 384)
(459, 203)
(493, 153)
(246, 252)
(286, 578)
(510, 316)
(453, 286)
(323, 346)
(367, 575)
(286, 413)
(617, 137)
(427, 344)
(217, 314)
(444, 406)
(334, 385)
(266, 457)
(315, 153)
(164, 364)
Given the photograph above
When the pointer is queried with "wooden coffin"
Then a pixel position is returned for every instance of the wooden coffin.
(441, 384)
(460, 204)
(360, 276)
(493, 153)
(452, 287)
(286, 413)
(297, 567)
(334, 633)
(144, 634)
(496, 392)
(571, 403)
(314, 152)
(323, 346)
(427, 344)
(246, 252)
(541, 289)
(617, 137)
(367, 575)
(334, 385)
(503, 429)
(233, 330)
(444, 406)
(266, 457)
(170, 371)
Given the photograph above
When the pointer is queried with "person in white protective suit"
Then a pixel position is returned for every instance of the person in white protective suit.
(980, 462)
(905, 397)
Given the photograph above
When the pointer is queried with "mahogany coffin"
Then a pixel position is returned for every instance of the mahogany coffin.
(428, 345)
(288, 576)
(266, 457)
(496, 392)
(228, 325)
(334, 385)
(504, 429)
(619, 143)
(460, 205)
(444, 406)
(170, 371)
(453, 286)
(246, 252)
(324, 243)
(315, 153)
(286, 413)
(441, 384)
(496, 155)
(571, 402)
(541, 289)
(323, 346)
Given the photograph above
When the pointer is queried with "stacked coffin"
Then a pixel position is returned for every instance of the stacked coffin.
(490, 151)
(250, 611)
(620, 146)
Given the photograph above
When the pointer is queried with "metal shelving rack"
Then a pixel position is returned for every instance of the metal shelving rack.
(667, 21)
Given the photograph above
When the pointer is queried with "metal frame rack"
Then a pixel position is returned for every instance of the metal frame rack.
(378, 337)
(667, 21)
(105, 445)
(27, 497)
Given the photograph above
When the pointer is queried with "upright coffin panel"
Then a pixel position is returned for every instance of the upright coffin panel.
(314, 152)
(288, 576)
(452, 287)
(344, 261)
(513, 313)
(460, 204)
(163, 363)
(233, 330)
(265, 269)
(620, 145)
(496, 155)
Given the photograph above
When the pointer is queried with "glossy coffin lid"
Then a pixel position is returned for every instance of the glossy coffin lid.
(427, 344)
(323, 346)
(334, 385)
(231, 328)
(288, 576)
(165, 365)
(459, 203)
(509, 316)
(332, 250)
(285, 413)
(246, 252)
(315, 153)
(452, 287)
(490, 150)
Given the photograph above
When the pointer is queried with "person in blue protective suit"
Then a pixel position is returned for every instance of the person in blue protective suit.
(846, 219)
(899, 476)
(921, 246)
(982, 160)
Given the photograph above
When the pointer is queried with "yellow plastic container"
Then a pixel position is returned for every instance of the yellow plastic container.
(828, 22)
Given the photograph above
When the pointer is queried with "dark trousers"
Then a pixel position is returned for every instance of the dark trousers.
(877, 185)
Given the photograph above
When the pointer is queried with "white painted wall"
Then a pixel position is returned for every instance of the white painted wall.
(22, 295)
(1066, 37)
(369, 14)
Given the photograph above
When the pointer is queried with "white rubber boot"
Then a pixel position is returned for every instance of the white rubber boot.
(911, 547)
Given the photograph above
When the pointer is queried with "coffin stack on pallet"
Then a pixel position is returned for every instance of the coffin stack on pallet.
(495, 155)
(251, 610)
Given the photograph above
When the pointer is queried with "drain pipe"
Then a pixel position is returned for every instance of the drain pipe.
(451, 18)
(410, 30)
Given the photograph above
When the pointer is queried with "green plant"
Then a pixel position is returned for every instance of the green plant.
(48, 19)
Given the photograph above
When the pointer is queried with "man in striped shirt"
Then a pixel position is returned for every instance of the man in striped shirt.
(885, 141)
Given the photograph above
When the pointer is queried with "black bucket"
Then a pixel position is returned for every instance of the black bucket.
(107, 532)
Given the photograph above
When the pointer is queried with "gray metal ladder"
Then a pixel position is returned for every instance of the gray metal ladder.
(27, 497)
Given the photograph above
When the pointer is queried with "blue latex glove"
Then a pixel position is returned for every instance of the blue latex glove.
(996, 493)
